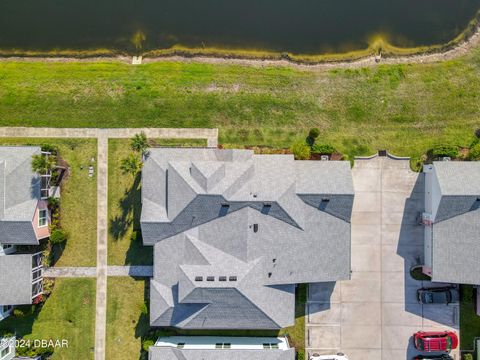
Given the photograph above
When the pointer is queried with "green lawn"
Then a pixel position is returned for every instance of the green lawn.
(125, 323)
(69, 313)
(405, 108)
(469, 320)
(78, 198)
(124, 205)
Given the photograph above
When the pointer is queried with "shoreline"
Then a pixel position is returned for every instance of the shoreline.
(452, 50)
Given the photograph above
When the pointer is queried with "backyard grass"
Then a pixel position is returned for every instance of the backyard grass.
(78, 198)
(124, 205)
(125, 322)
(469, 320)
(69, 313)
(404, 108)
(127, 326)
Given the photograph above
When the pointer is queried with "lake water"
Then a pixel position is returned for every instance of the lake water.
(297, 26)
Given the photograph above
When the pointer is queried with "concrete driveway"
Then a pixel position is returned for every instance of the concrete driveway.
(373, 315)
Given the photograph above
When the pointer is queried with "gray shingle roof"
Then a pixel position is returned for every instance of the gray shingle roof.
(19, 195)
(456, 228)
(16, 279)
(160, 353)
(268, 220)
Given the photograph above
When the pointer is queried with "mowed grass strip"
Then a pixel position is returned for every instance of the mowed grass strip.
(68, 314)
(125, 322)
(405, 108)
(125, 245)
(78, 197)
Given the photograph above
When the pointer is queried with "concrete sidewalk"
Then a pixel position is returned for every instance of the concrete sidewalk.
(211, 135)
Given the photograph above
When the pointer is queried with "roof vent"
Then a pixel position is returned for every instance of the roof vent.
(232, 278)
(210, 278)
(255, 228)
(269, 274)
(222, 278)
(198, 278)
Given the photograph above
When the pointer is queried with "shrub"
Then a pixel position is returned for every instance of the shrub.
(467, 356)
(474, 153)
(49, 148)
(131, 165)
(58, 236)
(139, 143)
(300, 150)
(477, 133)
(18, 313)
(314, 133)
(444, 151)
(144, 309)
(147, 343)
(38, 299)
(323, 149)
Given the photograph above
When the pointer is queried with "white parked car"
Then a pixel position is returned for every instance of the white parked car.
(339, 356)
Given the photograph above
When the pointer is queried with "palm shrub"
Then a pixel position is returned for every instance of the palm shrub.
(131, 165)
(139, 143)
(300, 150)
(42, 164)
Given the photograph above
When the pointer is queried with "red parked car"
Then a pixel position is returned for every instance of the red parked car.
(435, 341)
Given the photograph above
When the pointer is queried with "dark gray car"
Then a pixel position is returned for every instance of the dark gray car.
(440, 295)
(433, 357)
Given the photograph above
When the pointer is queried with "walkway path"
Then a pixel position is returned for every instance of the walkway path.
(102, 270)
(75, 272)
(102, 231)
(211, 135)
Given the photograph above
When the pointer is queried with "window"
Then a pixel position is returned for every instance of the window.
(36, 274)
(42, 217)
(210, 278)
(7, 308)
(180, 345)
(222, 278)
(5, 352)
(223, 346)
(5, 247)
(270, 346)
(198, 278)
(232, 278)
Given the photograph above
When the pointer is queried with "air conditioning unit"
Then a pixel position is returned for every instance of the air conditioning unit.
(427, 219)
(446, 158)
(324, 158)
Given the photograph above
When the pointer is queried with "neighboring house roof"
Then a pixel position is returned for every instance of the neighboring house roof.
(267, 220)
(456, 227)
(203, 348)
(16, 279)
(158, 353)
(19, 195)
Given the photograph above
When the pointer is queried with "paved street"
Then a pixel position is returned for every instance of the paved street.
(374, 315)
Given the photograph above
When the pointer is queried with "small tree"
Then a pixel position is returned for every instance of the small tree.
(314, 133)
(139, 143)
(131, 165)
(42, 164)
(300, 150)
